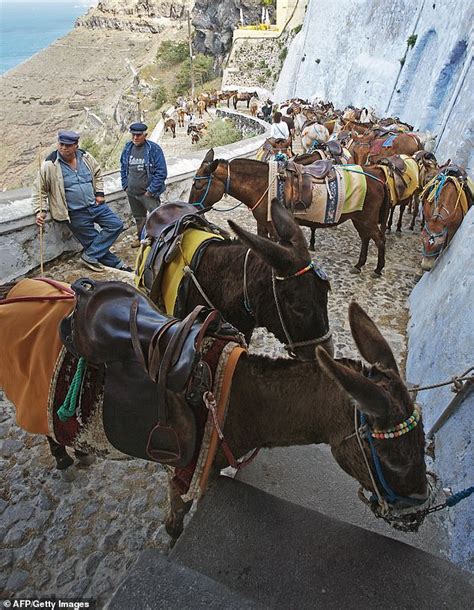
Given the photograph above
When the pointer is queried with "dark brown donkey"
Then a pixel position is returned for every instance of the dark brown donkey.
(261, 283)
(247, 181)
(365, 413)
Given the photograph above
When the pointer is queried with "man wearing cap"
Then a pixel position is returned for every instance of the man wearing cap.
(71, 179)
(143, 172)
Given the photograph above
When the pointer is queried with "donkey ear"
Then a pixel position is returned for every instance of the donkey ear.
(213, 166)
(283, 221)
(209, 156)
(371, 399)
(369, 339)
(269, 251)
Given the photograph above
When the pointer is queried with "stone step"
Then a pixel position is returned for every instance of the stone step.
(245, 548)
(155, 581)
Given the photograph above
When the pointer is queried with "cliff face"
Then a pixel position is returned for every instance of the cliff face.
(135, 15)
(214, 23)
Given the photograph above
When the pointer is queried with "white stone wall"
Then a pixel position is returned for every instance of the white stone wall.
(441, 345)
(356, 52)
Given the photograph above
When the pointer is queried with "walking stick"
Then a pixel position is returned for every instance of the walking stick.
(40, 194)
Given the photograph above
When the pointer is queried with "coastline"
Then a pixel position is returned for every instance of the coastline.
(54, 88)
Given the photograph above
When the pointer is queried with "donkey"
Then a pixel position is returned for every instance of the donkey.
(446, 200)
(365, 413)
(247, 180)
(259, 282)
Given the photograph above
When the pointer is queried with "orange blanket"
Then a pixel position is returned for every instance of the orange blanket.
(30, 346)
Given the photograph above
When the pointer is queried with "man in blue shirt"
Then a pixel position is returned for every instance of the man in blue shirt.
(71, 179)
(143, 172)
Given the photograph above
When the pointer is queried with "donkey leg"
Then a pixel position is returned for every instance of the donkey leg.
(415, 204)
(379, 239)
(177, 511)
(390, 220)
(64, 462)
(312, 240)
(400, 217)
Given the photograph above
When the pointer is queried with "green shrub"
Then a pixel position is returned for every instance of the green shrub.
(159, 96)
(91, 146)
(172, 52)
(203, 71)
(283, 54)
(411, 40)
(297, 29)
(268, 72)
(219, 133)
(262, 64)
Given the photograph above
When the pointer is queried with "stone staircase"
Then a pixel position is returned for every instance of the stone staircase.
(245, 548)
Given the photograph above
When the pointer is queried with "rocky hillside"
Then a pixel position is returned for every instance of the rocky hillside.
(135, 15)
(214, 22)
(78, 82)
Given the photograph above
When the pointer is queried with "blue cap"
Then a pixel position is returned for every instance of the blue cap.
(68, 137)
(138, 127)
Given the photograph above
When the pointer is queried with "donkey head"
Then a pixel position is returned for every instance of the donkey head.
(295, 307)
(205, 191)
(388, 426)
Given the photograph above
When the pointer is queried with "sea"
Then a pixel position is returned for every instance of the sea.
(28, 26)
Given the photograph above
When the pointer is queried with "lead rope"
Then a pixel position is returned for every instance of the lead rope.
(382, 502)
(68, 408)
(456, 381)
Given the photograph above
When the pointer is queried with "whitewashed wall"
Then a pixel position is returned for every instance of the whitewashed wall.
(349, 52)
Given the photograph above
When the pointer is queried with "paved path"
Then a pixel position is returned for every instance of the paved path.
(78, 539)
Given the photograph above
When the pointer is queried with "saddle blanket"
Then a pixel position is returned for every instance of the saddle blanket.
(389, 141)
(174, 272)
(402, 186)
(332, 198)
(378, 143)
(31, 346)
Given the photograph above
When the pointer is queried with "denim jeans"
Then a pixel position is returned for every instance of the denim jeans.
(97, 243)
(141, 205)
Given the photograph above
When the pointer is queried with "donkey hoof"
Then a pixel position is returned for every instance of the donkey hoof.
(398, 233)
(376, 274)
(68, 474)
(354, 270)
(86, 459)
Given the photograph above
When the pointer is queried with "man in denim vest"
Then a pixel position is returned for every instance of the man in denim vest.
(143, 172)
(71, 180)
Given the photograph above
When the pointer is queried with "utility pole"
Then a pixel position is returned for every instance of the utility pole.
(190, 42)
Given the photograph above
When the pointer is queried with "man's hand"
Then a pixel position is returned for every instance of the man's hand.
(148, 194)
(40, 218)
(99, 200)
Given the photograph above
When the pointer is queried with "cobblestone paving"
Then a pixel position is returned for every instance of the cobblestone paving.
(79, 538)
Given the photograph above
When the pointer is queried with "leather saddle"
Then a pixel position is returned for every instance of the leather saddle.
(166, 226)
(334, 148)
(299, 181)
(154, 372)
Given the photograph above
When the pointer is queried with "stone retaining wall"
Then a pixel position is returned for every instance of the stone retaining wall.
(19, 241)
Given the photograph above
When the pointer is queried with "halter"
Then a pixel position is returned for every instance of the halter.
(291, 345)
(200, 204)
(384, 501)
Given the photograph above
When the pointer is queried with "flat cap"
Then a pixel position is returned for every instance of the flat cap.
(138, 127)
(68, 137)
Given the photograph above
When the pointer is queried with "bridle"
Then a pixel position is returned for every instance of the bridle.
(404, 513)
(290, 344)
(209, 177)
(432, 191)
